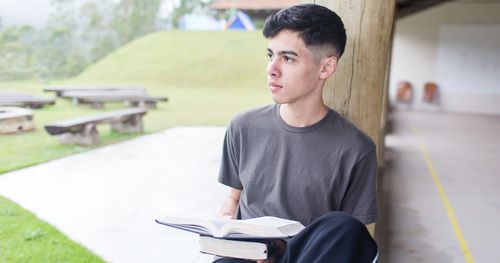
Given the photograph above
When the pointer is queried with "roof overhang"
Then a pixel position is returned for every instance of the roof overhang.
(408, 7)
(403, 7)
(253, 4)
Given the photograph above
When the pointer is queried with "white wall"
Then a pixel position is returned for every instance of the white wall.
(456, 45)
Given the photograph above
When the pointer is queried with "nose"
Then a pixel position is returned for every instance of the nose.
(273, 69)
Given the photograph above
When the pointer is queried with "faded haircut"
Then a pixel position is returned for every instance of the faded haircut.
(321, 29)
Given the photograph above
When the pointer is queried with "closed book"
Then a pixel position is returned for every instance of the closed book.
(244, 249)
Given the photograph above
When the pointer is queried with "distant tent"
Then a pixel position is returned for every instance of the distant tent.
(240, 21)
(200, 22)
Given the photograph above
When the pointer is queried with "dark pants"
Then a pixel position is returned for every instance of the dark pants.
(334, 237)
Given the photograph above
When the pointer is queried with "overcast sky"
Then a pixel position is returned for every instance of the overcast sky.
(32, 12)
(36, 12)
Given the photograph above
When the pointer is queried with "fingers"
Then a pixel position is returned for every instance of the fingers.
(225, 215)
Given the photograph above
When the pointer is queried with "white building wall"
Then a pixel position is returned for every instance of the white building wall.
(457, 46)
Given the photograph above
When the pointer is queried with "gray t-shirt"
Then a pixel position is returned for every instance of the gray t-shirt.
(299, 173)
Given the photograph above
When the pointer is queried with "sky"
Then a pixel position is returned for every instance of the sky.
(32, 12)
(36, 12)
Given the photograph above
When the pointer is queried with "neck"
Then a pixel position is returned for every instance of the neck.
(303, 115)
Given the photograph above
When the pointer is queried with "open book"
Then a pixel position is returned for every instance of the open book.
(256, 228)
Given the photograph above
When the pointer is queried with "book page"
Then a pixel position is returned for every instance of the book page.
(268, 227)
(268, 221)
(205, 225)
(233, 248)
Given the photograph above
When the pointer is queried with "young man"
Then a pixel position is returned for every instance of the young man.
(299, 159)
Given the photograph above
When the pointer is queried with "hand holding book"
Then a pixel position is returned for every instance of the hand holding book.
(228, 210)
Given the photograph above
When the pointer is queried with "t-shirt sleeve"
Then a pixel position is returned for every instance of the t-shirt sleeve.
(360, 198)
(229, 170)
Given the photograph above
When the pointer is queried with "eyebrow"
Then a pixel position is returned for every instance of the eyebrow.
(284, 52)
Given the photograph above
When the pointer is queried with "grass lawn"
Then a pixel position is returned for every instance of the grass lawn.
(208, 77)
(24, 238)
(186, 107)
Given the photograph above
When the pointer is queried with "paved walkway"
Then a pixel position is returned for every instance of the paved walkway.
(462, 158)
(107, 199)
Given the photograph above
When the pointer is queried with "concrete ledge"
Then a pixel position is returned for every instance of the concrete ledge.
(14, 120)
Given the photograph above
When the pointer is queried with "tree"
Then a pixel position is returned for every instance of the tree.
(78, 33)
(17, 55)
(59, 52)
(190, 7)
(97, 36)
(135, 18)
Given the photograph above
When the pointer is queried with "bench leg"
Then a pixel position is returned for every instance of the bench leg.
(75, 101)
(131, 124)
(97, 105)
(33, 105)
(130, 103)
(86, 137)
(149, 104)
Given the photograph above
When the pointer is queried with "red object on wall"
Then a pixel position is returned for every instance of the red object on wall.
(404, 91)
(430, 92)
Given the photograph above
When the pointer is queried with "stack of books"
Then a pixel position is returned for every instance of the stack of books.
(253, 239)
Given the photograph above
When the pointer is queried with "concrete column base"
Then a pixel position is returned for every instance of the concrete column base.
(85, 137)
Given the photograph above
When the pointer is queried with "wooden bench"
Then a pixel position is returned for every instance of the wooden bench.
(14, 119)
(82, 93)
(61, 90)
(97, 99)
(24, 100)
(97, 96)
(83, 131)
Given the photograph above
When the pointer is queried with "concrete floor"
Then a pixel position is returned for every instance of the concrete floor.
(107, 199)
(465, 153)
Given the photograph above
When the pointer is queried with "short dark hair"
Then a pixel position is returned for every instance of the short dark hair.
(317, 26)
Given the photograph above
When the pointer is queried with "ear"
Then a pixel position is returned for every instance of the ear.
(328, 67)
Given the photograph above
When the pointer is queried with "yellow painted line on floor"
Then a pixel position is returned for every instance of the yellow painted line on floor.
(449, 210)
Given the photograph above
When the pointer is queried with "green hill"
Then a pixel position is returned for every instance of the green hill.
(208, 76)
(186, 59)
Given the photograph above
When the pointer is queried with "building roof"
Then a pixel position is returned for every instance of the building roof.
(403, 7)
(253, 4)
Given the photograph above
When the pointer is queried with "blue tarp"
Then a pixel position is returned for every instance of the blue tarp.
(240, 21)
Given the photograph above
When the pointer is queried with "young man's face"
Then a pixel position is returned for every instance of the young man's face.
(293, 74)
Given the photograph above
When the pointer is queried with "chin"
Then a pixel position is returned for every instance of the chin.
(278, 100)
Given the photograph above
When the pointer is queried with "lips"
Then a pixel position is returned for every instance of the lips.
(274, 87)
